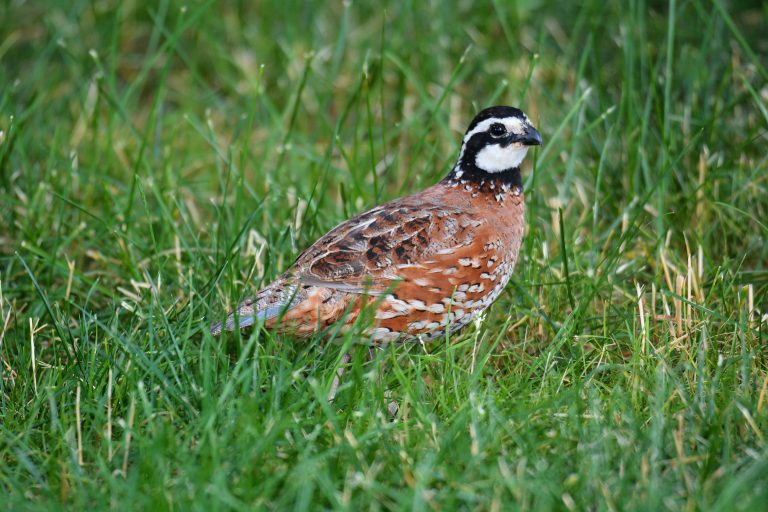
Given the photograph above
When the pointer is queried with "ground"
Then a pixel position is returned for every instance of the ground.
(159, 161)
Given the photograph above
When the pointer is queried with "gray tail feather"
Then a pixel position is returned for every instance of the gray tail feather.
(245, 319)
(268, 303)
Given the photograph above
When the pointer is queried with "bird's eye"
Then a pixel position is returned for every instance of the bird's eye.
(498, 129)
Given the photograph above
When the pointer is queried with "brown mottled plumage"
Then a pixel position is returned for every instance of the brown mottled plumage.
(425, 263)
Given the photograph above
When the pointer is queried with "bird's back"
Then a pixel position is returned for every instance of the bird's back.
(420, 263)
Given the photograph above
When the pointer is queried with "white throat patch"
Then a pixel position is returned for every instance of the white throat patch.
(495, 158)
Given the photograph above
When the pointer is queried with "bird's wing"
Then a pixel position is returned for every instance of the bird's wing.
(393, 242)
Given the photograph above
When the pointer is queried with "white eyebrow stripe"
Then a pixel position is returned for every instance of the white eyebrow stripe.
(513, 125)
(482, 126)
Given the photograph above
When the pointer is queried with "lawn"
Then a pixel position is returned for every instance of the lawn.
(159, 161)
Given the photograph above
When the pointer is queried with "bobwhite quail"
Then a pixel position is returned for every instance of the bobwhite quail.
(425, 263)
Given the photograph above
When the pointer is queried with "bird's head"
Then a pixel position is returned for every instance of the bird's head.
(497, 140)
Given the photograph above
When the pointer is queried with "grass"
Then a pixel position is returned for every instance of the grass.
(159, 161)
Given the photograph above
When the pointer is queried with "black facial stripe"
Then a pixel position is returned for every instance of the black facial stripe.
(509, 139)
(468, 165)
(474, 145)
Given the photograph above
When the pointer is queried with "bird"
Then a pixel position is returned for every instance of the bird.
(425, 264)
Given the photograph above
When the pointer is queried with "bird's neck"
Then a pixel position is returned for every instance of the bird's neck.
(476, 181)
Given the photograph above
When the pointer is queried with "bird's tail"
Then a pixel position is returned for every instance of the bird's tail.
(266, 305)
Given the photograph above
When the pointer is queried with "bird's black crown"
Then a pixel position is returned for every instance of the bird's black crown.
(499, 111)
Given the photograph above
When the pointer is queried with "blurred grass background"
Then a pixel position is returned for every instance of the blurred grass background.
(158, 160)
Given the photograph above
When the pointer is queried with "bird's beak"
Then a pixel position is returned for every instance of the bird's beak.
(531, 137)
